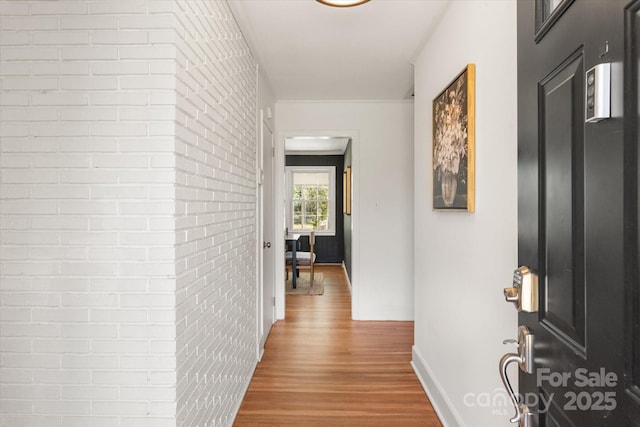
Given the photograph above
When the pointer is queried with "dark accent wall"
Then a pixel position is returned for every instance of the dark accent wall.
(347, 218)
(328, 249)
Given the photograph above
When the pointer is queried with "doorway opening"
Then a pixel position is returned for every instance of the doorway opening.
(301, 156)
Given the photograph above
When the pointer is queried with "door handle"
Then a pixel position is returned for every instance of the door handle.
(524, 359)
(266, 245)
(524, 291)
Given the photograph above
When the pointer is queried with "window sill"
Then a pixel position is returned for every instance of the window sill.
(330, 233)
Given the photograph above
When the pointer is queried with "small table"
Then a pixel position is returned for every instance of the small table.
(292, 240)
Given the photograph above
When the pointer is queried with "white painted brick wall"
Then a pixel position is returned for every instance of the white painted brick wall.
(127, 213)
(87, 204)
(216, 232)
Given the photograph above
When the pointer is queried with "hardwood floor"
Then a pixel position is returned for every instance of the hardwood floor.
(320, 368)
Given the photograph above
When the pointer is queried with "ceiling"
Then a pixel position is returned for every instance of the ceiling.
(315, 145)
(309, 51)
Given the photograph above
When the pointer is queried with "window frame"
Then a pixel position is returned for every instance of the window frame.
(331, 171)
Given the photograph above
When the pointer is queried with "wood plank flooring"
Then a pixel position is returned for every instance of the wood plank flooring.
(320, 368)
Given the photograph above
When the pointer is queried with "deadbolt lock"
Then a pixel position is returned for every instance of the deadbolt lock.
(524, 291)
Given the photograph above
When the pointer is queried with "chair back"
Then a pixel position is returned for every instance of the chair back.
(312, 240)
(304, 260)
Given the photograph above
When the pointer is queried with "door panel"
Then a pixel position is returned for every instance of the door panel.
(548, 12)
(268, 229)
(577, 213)
(562, 224)
(555, 418)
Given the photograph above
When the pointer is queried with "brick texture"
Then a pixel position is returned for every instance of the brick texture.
(216, 208)
(127, 213)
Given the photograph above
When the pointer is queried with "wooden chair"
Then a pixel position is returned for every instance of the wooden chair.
(304, 260)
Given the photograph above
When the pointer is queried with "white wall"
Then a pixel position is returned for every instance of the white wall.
(464, 260)
(266, 99)
(382, 132)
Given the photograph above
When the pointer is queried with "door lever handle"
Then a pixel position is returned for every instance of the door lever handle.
(522, 416)
(524, 359)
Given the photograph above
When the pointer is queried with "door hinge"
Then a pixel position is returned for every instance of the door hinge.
(274, 301)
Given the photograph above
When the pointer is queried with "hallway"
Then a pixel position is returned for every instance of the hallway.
(321, 368)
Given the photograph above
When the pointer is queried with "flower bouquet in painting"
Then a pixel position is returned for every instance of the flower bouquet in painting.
(453, 143)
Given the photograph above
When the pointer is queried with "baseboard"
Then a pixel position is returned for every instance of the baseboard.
(346, 275)
(439, 400)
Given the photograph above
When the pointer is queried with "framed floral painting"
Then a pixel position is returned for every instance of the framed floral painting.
(453, 144)
(346, 191)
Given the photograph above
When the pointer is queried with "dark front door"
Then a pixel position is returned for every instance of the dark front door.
(577, 208)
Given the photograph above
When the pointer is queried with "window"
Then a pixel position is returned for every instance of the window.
(311, 199)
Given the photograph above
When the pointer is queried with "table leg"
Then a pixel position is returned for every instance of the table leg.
(294, 267)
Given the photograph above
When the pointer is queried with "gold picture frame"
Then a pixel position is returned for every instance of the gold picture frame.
(453, 161)
(346, 191)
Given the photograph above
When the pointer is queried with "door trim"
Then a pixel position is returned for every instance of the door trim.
(279, 186)
(260, 179)
(631, 197)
